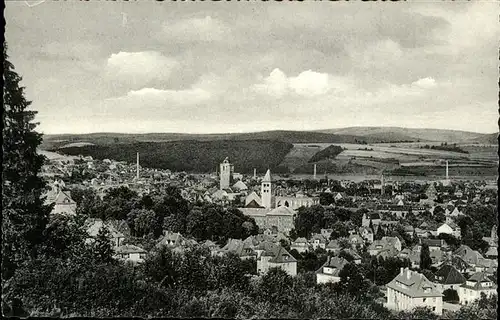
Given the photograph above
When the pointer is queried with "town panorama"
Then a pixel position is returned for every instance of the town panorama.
(172, 161)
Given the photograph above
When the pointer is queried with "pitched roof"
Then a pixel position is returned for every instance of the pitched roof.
(414, 284)
(129, 248)
(267, 177)
(333, 244)
(64, 197)
(253, 197)
(94, 225)
(300, 240)
(282, 256)
(448, 274)
(477, 278)
(333, 262)
(240, 185)
(433, 242)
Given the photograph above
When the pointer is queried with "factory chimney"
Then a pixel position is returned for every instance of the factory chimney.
(382, 185)
(314, 177)
(137, 168)
(446, 169)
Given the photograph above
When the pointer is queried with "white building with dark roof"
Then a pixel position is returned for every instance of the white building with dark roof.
(330, 270)
(275, 256)
(478, 283)
(410, 289)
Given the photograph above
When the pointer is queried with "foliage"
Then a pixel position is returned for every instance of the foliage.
(450, 295)
(329, 152)
(482, 308)
(417, 313)
(425, 257)
(24, 214)
(191, 155)
(102, 245)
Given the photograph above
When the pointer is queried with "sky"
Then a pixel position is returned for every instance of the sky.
(213, 67)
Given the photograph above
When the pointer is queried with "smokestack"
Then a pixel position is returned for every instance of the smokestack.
(382, 185)
(314, 177)
(255, 173)
(137, 173)
(446, 169)
(401, 270)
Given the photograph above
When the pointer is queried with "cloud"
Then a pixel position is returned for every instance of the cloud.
(276, 84)
(205, 29)
(310, 83)
(425, 83)
(307, 84)
(153, 96)
(140, 66)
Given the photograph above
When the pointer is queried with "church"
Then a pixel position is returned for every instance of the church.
(271, 212)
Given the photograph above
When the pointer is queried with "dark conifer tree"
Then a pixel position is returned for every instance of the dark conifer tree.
(24, 215)
(425, 257)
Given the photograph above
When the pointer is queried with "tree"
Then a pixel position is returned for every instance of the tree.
(102, 245)
(344, 243)
(24, 215)
(144, 221)
(425, 257)
(276, 287)
(450, 295)
(339, 230)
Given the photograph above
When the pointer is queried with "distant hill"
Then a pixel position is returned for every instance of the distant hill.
(394, 134)
(487, 139)
(193, 156)
(66, 140)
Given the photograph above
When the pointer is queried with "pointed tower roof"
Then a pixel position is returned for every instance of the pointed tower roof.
(267, 177)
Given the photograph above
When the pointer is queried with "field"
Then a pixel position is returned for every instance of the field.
(365, 151)
(388, 157)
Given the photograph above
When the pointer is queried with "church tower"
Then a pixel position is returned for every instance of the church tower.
(266, 190)
(226, 174)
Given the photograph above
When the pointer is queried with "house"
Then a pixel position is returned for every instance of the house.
(171, 240)
(450, 228)
(330, 270)
(493, 238)
(468, 255)
(300, 244)
(374, 217)
(129, 252)
(240, 248)
(326, 233)
(356, 258)
(333, 246)
(410, 289)
(240, 186)
(366, 233)
(355, 240)
(63, 203)
(448, 277)
(434, 245)
(492, 253)
(393, 241)
(95, 225)
(275, 256)
(477, 283)
(318, 241)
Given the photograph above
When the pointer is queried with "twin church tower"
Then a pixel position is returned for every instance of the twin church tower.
(266, 188)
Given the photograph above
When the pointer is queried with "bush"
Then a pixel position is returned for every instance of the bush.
(450, 295)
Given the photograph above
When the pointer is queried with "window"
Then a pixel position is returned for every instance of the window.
(433, 308)
(424, 299)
